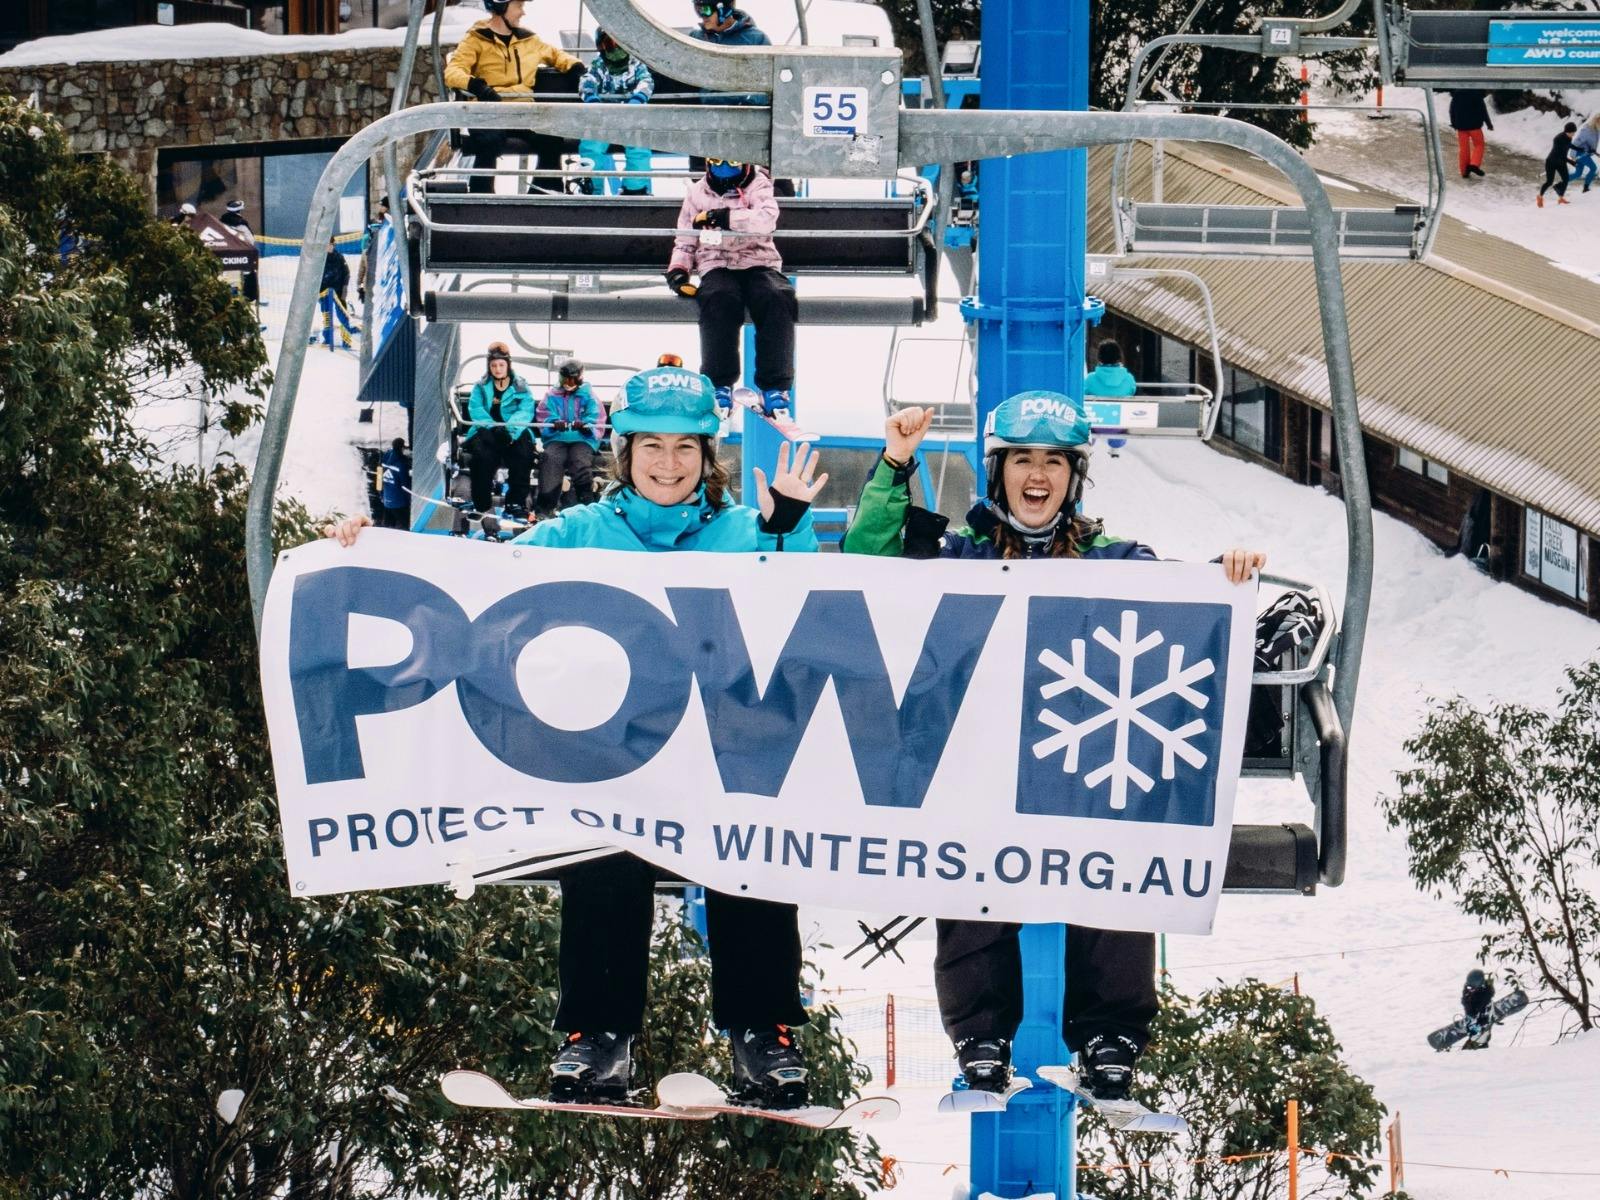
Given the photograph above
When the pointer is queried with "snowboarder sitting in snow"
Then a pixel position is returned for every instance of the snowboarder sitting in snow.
(496, 56)
(571, 424)
(1477, 995)
(665, 424)
(1110, 378)
(615, 72)
(728, 217)
(1037, 467)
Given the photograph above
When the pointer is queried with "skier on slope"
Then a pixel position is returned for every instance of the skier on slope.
(1477, 998)
(1037, 466)
(671, 493)
(740, 269)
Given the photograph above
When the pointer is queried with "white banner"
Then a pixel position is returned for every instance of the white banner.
(1059, 742)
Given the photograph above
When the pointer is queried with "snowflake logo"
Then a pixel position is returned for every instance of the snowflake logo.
(1124, 709)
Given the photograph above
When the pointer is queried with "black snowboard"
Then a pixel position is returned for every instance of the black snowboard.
(1461, 1027)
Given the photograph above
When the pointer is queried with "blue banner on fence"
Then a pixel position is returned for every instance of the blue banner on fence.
(1551, 43)
(388, 304)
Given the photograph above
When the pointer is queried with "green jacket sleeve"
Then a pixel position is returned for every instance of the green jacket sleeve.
(881, 512)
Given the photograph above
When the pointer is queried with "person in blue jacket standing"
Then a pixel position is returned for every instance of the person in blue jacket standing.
(501, 414)
(615, 73)
(1036, 447)
(571, 423)
(671, 493)
(394, 482)
(1110, 378)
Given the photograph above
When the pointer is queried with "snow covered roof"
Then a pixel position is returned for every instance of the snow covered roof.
(1478, 358)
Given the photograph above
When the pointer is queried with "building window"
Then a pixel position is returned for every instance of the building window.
(1555, 554)
(1250, 413)
(1176, 361)
(1411, 461)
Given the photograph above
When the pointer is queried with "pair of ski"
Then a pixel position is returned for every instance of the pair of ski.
(682, 1097)
(1128, 1116)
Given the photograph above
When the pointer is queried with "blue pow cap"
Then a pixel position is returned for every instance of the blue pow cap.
(666, 400)
(1037, 419)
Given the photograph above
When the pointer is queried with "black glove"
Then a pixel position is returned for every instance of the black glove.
(558, 426)
(580, 427)
(786, 513)
(678, 281)
(576, 68)
(713, 218)
(481, 90)
(361, 293)
(1488, 124)
(924, 533)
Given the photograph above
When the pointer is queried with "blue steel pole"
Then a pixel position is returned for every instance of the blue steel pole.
(1030, 314)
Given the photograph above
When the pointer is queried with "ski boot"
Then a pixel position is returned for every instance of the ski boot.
(774, 401)
(593, 1068)
(724, 399)
(768, 1070)
(1106, 1066)
(985, 1063)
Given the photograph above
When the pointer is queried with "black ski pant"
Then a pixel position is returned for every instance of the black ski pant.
(561, 459)
(977, 972)
(490, 449)
(607, 909)
(393, 518)
(487, 145)
(1555, 175)
(725, 296)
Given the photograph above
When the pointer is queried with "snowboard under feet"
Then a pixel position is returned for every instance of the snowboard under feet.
(700, 1098)
(963, 1099)
(744, 397)
(1443, 1039)
(1129, 1116)
(474, 1089)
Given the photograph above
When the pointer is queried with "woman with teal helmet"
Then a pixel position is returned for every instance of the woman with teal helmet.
(671, 493)
(1036, 450)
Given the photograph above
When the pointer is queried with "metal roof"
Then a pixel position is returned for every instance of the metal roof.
(1485, 357)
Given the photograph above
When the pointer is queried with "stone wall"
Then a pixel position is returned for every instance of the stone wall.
(132, 110)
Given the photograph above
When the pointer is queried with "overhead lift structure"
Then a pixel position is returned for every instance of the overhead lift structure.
(1031, 310)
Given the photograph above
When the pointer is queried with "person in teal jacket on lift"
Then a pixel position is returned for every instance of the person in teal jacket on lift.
(1110, 378)
(671, 493)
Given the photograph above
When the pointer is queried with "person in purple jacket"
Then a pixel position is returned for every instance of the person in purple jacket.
(571, 424)
(727, 219)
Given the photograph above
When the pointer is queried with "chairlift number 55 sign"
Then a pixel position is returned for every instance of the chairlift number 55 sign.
(835, 112)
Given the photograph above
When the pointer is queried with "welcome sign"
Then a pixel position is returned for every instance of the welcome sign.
(1059, 742)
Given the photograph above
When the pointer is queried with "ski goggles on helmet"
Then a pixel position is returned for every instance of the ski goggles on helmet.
(1039, 419)
(709, 8)
(723, 168)
(670, 360)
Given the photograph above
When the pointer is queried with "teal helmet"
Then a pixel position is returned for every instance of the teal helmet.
(667, 400)
(1038, 419)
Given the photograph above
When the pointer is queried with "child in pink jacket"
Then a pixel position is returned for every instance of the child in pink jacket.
(737, 274)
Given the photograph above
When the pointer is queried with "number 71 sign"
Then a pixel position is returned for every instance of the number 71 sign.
(835, 112)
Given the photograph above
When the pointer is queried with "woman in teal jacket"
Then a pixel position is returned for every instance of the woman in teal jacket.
(671, 493)
(501, 411)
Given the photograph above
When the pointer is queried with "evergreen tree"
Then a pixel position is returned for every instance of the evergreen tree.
(1230, 1062)
(1502, 811)
(151, 956)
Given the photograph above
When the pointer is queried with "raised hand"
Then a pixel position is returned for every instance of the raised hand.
(1238, 564)
(793, 480)
(904, 431)
(347, 529)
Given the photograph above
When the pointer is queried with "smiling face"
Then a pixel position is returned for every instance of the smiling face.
(1036, 483)
(666, 468)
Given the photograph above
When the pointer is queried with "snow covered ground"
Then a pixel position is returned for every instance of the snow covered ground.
(1390, 154)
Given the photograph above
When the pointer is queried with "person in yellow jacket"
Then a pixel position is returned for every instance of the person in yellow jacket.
(498, 55)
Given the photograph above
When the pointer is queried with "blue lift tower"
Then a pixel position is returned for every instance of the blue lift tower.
(1031, 310)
